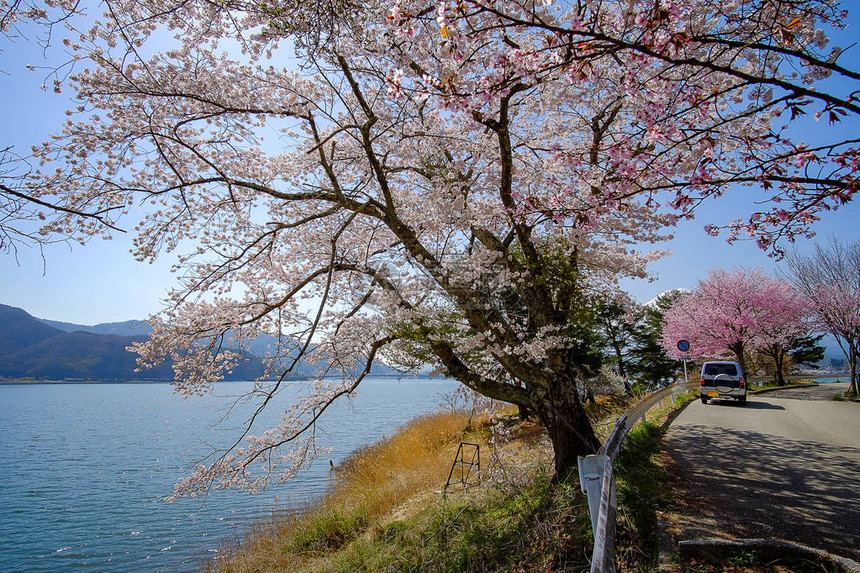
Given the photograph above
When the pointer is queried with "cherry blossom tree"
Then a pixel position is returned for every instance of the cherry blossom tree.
(829, 280)
(432, 182)
(735, 312)
(788, 330)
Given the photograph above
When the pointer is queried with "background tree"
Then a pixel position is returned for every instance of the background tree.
(829, 280)
(733, 313)
(653, 367)
(802, 351)
(789, 337)
(808, 351)
(616, 325)
(630, 335)
(449, 181)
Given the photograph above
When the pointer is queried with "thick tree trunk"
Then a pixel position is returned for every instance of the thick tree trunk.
(522, 410)
(780, 379)
(779, 363)
(523, 413)
(568, 426)
(738, 349)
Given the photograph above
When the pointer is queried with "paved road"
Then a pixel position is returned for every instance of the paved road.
(786, 466)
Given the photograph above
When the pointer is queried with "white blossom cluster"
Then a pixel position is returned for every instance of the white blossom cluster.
(439, 183)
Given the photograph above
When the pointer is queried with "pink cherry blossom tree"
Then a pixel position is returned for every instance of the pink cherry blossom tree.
(829, 280)
(732, 313)
(431, 181)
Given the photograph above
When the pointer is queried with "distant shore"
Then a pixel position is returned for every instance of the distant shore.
(19, 381)
(12, 381)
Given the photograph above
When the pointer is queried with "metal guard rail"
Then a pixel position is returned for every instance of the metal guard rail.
(603, 556)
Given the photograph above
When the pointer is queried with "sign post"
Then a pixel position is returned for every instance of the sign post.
(684, 347)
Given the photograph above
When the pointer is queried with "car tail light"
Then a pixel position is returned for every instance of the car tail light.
(703, 382)
(740, 382)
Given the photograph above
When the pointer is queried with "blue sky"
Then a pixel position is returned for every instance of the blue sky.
(101, 282)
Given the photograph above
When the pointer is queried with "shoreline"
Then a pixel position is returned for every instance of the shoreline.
(69, 381)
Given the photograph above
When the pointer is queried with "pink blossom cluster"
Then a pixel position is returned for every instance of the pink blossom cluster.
(735, 311)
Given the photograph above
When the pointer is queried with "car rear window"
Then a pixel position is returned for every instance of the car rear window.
(716, 369)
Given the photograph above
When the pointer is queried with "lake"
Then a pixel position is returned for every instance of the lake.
(85, 468)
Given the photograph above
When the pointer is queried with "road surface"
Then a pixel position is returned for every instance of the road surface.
(786, 466)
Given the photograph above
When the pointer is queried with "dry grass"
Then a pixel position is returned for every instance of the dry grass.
(416, 458)
(370, 484)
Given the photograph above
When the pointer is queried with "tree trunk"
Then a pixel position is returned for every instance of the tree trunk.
(852, 368)
(523, 412)
(622, 371)
(780, 379)
(568, 426)
(738, 349)
(779, 362)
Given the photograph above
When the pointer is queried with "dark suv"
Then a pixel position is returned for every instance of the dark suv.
(723, 380)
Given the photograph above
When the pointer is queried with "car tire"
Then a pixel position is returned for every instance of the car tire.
(704, 399)
(743, 401)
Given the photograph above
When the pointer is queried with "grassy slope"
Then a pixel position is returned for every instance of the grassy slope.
(386, 512)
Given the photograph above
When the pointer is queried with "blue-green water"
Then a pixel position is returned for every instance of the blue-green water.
(84, 469)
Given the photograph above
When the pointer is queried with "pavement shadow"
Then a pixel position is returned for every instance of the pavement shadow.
(752, 485)
(751, 405)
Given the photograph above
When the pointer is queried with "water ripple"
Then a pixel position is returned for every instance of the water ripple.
(87, 467)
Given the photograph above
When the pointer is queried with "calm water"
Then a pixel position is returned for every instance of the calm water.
(84, 468)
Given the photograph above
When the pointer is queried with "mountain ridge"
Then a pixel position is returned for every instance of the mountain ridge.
(36, 349)
(125, 328)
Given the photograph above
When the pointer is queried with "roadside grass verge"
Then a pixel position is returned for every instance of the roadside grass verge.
(643, 491)
(840, 397)
(540, 527)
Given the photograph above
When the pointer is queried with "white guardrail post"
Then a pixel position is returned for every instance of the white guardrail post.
(591, 470)
(597, 480)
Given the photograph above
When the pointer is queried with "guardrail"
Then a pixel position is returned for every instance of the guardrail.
(598, 481)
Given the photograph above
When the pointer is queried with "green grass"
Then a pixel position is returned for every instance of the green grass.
(386, 514)
(643, 490)
(769, 384)
(840, 397)
(541, 527)
(328, 530)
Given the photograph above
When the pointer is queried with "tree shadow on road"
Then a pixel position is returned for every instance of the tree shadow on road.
(752, 485)
(750, 405)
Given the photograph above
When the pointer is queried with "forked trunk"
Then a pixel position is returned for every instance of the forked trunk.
(738, 349)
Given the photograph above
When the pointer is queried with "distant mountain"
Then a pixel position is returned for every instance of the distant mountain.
(127, 328)
(19, 330)
(34, 348)
(80, 355)
(675, 292)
